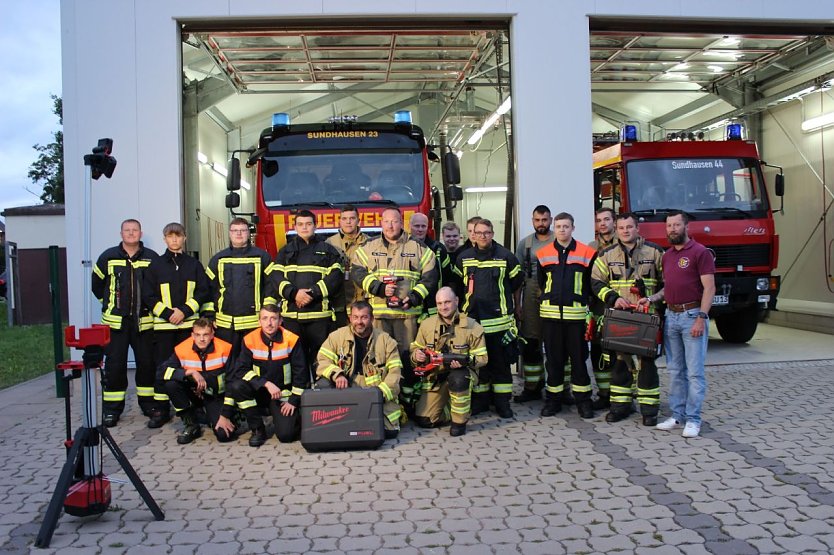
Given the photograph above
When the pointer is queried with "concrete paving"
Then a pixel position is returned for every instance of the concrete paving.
(760, 479)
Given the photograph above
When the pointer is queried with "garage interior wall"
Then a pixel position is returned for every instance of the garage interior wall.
(131, 91)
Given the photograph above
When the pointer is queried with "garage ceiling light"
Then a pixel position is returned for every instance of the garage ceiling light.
(500, 111)
(491, 189)
(818, 122)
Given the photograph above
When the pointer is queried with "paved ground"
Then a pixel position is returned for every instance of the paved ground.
(760, 479)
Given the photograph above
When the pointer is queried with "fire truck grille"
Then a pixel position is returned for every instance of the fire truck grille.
(731, 256)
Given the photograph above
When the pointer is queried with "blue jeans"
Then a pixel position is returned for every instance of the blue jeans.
(685, 356)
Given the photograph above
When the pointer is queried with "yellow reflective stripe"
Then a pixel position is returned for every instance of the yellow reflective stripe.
(481, 388)
(330, 355)
(247, 404)
(165, 293)
(414, 276)
(189, 295)
(655, 391)
(169, 372)
(113, 395)
(577, 283)
(387, 393)
(307, 315)
(144, 391)
(371, 381)
(555, 389)
(251, 374)
(581, 388)
(98, 272)
(394, 416)
(368, 281)
(229, 401)
(393, 363)
(502, 388)
(288, 373)
(514, 271)
(422, 289)
(620, 389)
(297, 390)
(328, 372)
(479, 351)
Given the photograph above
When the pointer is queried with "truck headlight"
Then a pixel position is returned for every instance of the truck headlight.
(762, 284)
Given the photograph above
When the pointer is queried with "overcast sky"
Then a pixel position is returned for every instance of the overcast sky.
(30, 39)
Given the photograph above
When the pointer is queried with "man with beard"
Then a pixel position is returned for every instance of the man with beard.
(689, 286)
(361, 355)
(527, 305)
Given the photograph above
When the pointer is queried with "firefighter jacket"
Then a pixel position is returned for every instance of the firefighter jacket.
(279, 360)
(490, 277)
(117, 283)
(346, 247)
(215, 359)
(617, 270)
(564, 275)
(381, 365)
(443, 264)
(313, 265)
(175, 280)
(405, 259)
(464, 336)
(600, 243)
(239, 286)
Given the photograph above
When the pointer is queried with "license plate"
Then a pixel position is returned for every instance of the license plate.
(720, 300)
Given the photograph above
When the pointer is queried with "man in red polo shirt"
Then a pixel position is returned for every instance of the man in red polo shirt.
(689, 285)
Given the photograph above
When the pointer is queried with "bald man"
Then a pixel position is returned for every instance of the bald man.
(419, 226)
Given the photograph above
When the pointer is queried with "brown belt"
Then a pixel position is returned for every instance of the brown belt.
(683, 307)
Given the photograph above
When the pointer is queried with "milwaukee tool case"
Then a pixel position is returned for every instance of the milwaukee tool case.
(333, 419)
(636, 333)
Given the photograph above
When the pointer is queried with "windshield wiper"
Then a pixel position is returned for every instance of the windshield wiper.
(732, 209)
(653, 211)
(380, 201)
(310, 203)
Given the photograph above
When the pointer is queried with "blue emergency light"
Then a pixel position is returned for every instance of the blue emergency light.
(734, 132)
(628, 133)
(402, 116)
(280, 119)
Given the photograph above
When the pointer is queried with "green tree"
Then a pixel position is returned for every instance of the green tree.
(48, 169)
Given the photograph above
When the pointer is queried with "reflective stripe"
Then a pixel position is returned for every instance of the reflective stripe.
(113, 395)
(248, 404)
(581, 388)
(394, 416)
(502, 388)
(558, 389)
(260, 354)
(160, 397)
(297, 390)
(387, 393)
(229, 401)
(168, 373)
(144, 391)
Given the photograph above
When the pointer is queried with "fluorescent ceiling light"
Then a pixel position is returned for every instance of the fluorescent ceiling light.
(715, 69)
(492, 189)
(500, 111)
(202, 158)
(219, 168)
(818, 122)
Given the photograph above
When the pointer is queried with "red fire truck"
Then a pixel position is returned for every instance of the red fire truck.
(721, 186)
(321, 167)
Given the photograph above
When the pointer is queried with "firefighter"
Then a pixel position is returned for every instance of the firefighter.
(527, 305)
(491, 274)
(419, 226)
(564, 272)
(306, 275)
(450, 233)
(361, 354)
(623, 273)
(397, 273)
(176, 288)
(349, 238)
(448, 389)
(117, 283)
(601, 361)
(270, 374)
(239, 285)
(194, 377)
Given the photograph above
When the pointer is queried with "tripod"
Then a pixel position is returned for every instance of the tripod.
(89, 494)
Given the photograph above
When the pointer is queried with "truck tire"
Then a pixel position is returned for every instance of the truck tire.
(738, 327)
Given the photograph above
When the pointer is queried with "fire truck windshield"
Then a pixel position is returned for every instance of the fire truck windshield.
(732, 187)
(344, 177)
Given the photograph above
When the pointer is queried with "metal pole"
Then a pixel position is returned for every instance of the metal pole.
(89, 377)
(57, 327)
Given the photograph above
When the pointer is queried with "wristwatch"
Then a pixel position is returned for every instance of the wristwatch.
(703, 315)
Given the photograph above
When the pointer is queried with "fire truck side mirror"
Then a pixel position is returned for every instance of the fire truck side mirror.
(455, 193)
(451, 169)
(233, 176)
(232, 200)
(779, 186)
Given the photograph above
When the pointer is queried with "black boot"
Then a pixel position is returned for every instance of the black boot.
(528, 395)
(258, 436)
(552, 404)
(192, 430)
(110, 419)
(567, 396)
(603, 401)
(457, 429)
(480, 402)
(502, 405)
(159, 417)
(585, 409)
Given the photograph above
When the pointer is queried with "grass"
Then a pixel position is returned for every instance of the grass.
(26, 352)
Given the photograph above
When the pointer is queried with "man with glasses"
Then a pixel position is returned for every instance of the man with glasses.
(239, 285)
(491, 275)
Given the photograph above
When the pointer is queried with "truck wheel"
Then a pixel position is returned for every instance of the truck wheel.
(738, 327)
